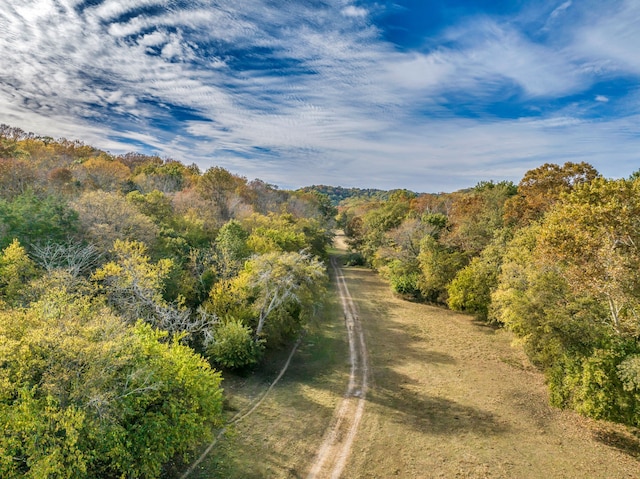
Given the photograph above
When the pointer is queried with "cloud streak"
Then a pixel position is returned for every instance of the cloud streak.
(302, 92)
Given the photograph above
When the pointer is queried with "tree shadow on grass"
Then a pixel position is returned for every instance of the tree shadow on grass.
(626, 441)
(397, 345)
(430, 414)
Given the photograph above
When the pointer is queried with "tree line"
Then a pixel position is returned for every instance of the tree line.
(555, 259)
(124, 280)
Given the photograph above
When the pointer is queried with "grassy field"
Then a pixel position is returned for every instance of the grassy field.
(450, 398)
(281, 437)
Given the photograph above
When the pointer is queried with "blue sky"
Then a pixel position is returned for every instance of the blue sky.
(426, 95)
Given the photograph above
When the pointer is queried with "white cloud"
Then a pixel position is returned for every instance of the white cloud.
(355, 12)
(609, 37)
(602, 98)
(332, 103)
(560, 9)
(489, 52)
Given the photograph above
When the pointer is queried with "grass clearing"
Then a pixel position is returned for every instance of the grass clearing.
(449, 398)
(281, 437)
(452, 398)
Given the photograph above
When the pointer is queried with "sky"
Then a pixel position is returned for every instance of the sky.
(428, 95)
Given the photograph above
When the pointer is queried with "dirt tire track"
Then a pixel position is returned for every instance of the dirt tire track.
(334, 451)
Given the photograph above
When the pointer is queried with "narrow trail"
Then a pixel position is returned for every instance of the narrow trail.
(333, 453)
(244, 413)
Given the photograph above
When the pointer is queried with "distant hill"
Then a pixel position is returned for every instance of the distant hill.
(337, 193)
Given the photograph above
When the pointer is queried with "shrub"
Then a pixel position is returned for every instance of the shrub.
(84, 395)
(233, 347)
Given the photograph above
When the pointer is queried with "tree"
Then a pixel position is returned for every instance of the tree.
(134, 286)
(16, 270)
(233, 346)
(61, 181)
(102, 173)
(221, 187)
(32, 219)
(84, 395)
(73, 258)
(17, 176)
(470, 291)
(278, 280)
(595, 235)
(398, 261)
(106, 217)
(276, 237)
(534, 300)
(10, 138)
(541, 187)
(232, 248)
(439, 265)
(476, 215)
(168, 177)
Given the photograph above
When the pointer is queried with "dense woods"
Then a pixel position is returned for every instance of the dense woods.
(555, 259)
(124, 280)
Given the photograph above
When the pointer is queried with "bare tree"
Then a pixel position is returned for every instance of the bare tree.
(74, 258)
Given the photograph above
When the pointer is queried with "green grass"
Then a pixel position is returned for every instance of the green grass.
(449, 397)
(281, 437)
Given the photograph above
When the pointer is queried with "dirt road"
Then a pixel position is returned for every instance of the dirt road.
(451, 397)
(429, 394)
(336, 445)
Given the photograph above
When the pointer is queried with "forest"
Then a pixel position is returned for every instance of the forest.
(555, 259)
(128, 282)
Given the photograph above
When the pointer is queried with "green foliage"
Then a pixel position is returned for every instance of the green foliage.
(354, 259)
(155, 204)
(476, 215)
(133, 286)
(568, 290)
(231, 299)
(232, 248)
(161, 176)
(535, 301)
(132, 283)
(403, 280)
(83, 395)
(279, 234)
(41, 440)
(275, 294)
(337, 193)
(471, 289)
(233, 345)
(31, 219)
(439, 265)
(437, 220)
(16, 270)
(595, 235)
(602, 385)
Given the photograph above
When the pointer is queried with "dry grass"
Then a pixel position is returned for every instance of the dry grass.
(450, 398)
(280, 439)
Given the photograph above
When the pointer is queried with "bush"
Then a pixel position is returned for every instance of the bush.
(470, 291)
(233, 346)
(599, 385)
(406, 284)
(354, 259)
(84, 395)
